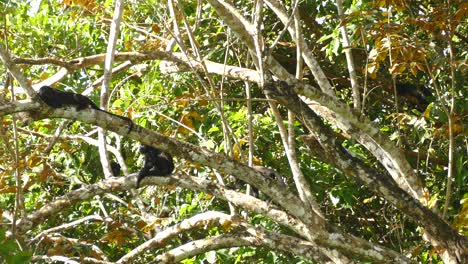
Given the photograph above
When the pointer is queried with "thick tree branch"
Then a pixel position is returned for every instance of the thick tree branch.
(358, 170)
(225, 222)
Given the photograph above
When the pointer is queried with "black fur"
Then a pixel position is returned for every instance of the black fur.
(115, 168)
(157, 163)
(57, 99)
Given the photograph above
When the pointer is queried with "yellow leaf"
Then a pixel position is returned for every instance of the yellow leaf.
(432, 202)
(226, 225)
(44, 76)
(187, 122)
(461, 219)
(414, 70)
(115, 237)
(140, 224)
(34, 160)
(66, 3)
(182, 100)
(156, 28)
(130, 112)
(427, 112)
(45, 173)
(457, 129)
(10, 189)
(195, 116)
(398, 68)
(128, 44)
(236, 151)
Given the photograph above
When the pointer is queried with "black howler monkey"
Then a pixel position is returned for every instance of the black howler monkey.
(157, 163)
(57, 99)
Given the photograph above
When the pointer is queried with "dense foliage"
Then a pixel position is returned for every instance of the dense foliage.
(356, 150)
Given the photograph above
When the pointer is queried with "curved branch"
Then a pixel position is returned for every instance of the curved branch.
(88, 61)
(201, 246)
(224, 221)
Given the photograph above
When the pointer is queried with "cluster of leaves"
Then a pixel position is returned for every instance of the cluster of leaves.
(11, 252)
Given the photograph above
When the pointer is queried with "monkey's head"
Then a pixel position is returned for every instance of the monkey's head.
(45, 90)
